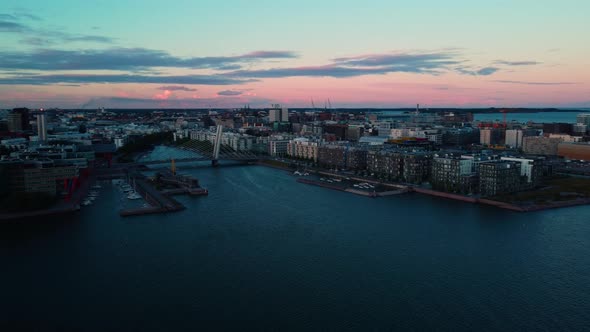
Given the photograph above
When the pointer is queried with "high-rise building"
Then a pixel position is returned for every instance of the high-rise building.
(580, 128)
(514, 138)
(13, 122)
(583, 118)
(277, 114)
(18, 119)
(284, 114)
(42, 127)
(490, 136)
(274, 115)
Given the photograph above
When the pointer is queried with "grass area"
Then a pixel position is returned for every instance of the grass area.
(556, 189)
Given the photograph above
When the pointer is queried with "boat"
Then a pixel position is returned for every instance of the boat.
(297, 173)
(97, 186)
(86, 202)
(305, 174)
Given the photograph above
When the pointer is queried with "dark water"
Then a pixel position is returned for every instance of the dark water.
(263, 252)
(541, 117)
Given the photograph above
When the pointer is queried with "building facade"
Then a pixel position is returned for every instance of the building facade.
(499, 177)
(539, 145)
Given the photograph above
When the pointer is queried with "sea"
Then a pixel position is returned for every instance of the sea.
(262, 252)
(541, 117)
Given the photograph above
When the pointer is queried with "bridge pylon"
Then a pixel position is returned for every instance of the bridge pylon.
(217, 146)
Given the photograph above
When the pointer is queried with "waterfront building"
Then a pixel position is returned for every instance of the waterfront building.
(397, 165)
(332, 156)
(278, 147)
(303, 148)
(386, 165)
(39, 176)
(416, 166)
(342, 157)
(237, 142)
(453, 174)
(356, 159)
(499, 177)
(530, 168)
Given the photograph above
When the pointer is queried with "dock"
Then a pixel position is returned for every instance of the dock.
(161, 201)
(398, 189)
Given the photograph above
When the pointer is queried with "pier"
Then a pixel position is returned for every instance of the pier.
(160, 199)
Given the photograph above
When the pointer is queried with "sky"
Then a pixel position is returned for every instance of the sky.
(225, 54)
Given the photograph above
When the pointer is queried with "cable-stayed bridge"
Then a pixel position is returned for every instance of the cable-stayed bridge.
(201, 150)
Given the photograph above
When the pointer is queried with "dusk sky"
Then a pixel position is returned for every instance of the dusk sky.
(200, 54)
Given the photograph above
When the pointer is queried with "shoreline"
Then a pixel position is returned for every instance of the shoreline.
(435, 193)
(61, 208)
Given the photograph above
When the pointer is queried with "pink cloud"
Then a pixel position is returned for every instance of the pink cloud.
(164, 95)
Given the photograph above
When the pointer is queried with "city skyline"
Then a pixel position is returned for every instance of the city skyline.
(387, 54)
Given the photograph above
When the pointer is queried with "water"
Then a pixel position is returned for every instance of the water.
(542, 117)
(263, 252)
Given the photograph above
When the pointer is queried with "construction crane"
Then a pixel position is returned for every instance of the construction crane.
(504, 111)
